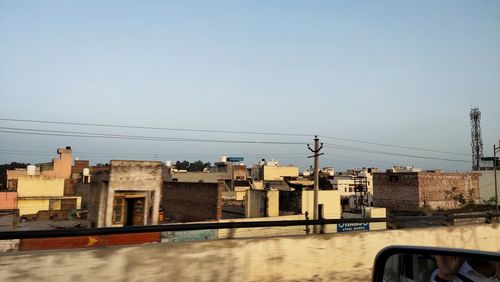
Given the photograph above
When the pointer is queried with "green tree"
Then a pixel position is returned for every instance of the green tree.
(182, 165)
(491, 201)
(192, 166)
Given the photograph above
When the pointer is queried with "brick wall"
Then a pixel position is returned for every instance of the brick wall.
(436, 189)
(79, 165)
(186, 201)
(397, 191)
(411, 190)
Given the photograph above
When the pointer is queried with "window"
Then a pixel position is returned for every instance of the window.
(118, 210)
(54, 204)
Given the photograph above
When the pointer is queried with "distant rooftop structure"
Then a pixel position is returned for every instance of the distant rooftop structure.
(404, 169)
(486, 163)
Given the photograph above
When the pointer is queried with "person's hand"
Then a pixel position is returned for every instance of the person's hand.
(497, 267)
(448, 267)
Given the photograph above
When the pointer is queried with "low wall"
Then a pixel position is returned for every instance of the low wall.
(341, 257)
(186, 201)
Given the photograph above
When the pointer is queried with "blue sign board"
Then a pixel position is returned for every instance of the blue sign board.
(346, 227)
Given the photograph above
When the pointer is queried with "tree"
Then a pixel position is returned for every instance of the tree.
(198, 166)
(182, 165)
(491, 201)
(194, 166)
(459, 199)
(455, 197)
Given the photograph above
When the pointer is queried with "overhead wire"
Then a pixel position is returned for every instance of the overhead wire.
(135, 137)
(156, 128)
(333, 146)
(82, 134)
(65, 133)
(229, 132)
(392, 145)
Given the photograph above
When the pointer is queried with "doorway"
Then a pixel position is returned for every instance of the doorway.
(134, 211)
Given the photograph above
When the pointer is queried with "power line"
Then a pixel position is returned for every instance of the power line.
(229, 132)
(333, 146)
(128, 154)
(393, 146)
(80, 134)
(42, 132)
(155, 128)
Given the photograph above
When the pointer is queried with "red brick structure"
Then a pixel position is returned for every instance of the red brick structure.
(190, 201)
(414, 190)
(78, 166)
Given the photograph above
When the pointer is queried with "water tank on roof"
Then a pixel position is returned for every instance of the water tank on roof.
(169, 163)
(223, 159)
(31, 169)
(86, 171)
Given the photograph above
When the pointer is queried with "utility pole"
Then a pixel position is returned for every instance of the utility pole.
(316, 155)
(495, 149)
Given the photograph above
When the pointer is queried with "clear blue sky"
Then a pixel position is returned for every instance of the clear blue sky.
(398, 72)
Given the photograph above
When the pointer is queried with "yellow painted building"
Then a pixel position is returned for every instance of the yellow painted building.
(279, 172)
(329, 201)
(31, 206)
(37, 193)
(35, 185)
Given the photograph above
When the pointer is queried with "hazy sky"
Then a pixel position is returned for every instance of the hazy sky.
(396, 72)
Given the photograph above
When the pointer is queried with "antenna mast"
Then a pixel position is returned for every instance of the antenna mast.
(476, 139)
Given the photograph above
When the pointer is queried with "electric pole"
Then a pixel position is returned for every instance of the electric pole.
(495, 149)
(316, 155)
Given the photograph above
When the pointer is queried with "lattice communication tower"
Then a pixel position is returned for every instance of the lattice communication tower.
(476, 139)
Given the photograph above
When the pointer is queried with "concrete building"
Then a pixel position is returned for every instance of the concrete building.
(14, 174)
(59, 167)
(81, 175)
(224, 170)
(344, 184)
(43, 193)
(487, 184)
(46, 186)
(414, 190)
(328, 201)
(8, 201)
(405, 169)
(261, 203)
(302, 201)
(126, 194)
(274, 203)
(272, 171)
(352, 180)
